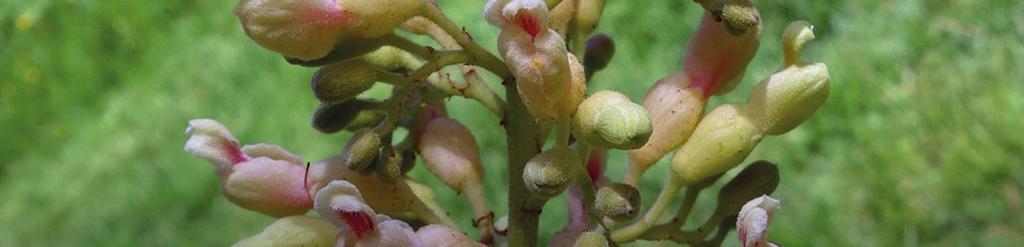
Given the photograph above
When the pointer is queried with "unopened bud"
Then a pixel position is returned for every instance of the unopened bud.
(389, 166)
(298, 230)
(577, 88)
(551, 171)
(365, 119)
(740, 15)
(591, 239)
(588, 13)
(675, 108)
(716, 58)
(343, 80)
(619, 202)
(361, 150)
(720, 142)
(753, 220)
(600, 49)
(391, 59)
(440, 235)
(334, 117)
(797, 34)
(374, 18)
(450, 152)
(304, 29)
(787, 98)
(608, 119)
(759, 178)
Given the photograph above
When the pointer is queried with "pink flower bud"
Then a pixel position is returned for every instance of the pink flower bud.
(450, 152)
(717, 58)
(262, 177)
(535, 53)
(675, 108)
(752, 222)
(440, 235)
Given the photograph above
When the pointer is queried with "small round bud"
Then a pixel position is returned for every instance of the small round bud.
(600, 49)
(740, 15)
(759, 178)
(591, 239)
(608, 119)
(550, 172)
(331, 118)
(720, 142)
(361, 150)
(787, 98)
(450, 152)
(618, 201)
(343, 81)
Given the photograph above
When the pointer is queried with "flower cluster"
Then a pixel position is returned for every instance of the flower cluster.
(363, 196)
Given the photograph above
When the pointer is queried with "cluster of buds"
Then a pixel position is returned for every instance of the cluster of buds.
(363, 197)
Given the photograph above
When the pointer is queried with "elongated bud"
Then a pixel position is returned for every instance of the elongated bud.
(263, 178)
(787, 98)
(619, 202)
(450, 152)
(588, 13)
(440, 235)
(759, 178)
(304, 29)
(361, 150)
(720, 142)
(391, 59)
(752, 222)
(675, 108)
(600, 49)
(591, 239)
(716, 58)
(374, 18)
(608, 119)
(366, 118)
(550, 172)
(334, 117)
(343, 80)
(298, 230)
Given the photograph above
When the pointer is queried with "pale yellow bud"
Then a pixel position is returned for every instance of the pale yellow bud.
(787, 98)
(797, 34)
(720, 142)
(550, 172)
(591, 239)
(374, 18)
(298, 230)
(588, 13)
(608, 119)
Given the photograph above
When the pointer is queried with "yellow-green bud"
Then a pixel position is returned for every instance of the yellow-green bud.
(787, 98)
(343, 80)
(361, 150)
(298, 230)
(721, 141)
(740, 15)
(608, 119)
(591, 239)
(391, 59)
(366, 119)
(588, 13)
(333, 117)
(618, 201)
(389, 166)
(757, 179)
(550, 172)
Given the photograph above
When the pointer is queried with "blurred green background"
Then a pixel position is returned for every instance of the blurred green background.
(920, 142)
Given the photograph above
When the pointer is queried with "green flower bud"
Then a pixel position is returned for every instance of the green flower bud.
(591, 239)
(608, 119)
(365, 119)
(787, 98)
(298, 230)
(343, 80)
(721, 141)
(391, 59)
(618, 201)
(759, 178)
(588, 13)
(333, 117)
(550, 172)
(361, 150)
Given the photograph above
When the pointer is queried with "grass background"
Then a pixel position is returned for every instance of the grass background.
(920, 142)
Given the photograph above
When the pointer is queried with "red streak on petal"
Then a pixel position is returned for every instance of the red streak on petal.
(595, 164)
(360, 222)
(233, 152)
(328, 15)
(710, 82)
(529, 23)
